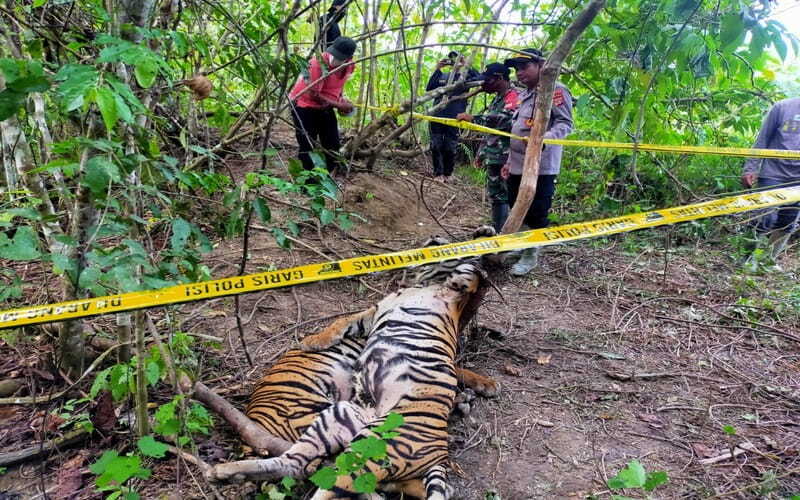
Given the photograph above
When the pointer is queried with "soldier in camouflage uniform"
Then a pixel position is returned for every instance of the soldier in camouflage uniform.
(493, 151)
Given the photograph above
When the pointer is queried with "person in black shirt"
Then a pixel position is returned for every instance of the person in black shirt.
(444, 138)
(329, 22)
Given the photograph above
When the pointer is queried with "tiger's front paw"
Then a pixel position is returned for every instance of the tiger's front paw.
(486, 387)
(315, 343)
(227, 472)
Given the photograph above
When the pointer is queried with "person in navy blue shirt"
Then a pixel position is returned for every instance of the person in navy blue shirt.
(444, 138)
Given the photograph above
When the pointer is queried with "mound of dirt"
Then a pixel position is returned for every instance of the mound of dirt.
(390, 205)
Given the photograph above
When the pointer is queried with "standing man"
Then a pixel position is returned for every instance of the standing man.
(780, 130)
(329, 22)
(315, 95)
(493, 152)
(528, 67)
(444, 138)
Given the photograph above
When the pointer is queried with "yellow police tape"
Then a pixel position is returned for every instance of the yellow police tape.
(405, 258)
(628, 146)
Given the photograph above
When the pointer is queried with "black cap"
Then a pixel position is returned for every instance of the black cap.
(452, 54)
(342, 48)
(530, 55)
(496, 69)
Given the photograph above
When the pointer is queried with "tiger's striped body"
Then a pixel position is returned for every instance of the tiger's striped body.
(407, 366)
(300, 385)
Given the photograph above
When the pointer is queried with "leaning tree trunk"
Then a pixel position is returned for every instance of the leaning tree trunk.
(544, 99)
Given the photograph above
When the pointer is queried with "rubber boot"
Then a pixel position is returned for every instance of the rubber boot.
(514, 255)
(499, 215)
(527, 262)
(777, 244)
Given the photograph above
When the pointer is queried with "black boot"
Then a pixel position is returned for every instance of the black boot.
(499, 215)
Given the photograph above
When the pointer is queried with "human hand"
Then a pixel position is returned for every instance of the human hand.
(464, 117)
(505, 172)
(749, 179)
(345, 106)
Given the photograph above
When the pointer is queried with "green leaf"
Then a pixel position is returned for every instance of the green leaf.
(120, 469)
(125, 91)
(151, 448)
(365, 483)
(347, 463)
(78, 80)
(392, 422)
(326, 216)
(24, 246)
(145, 72)
(120, 381)
(28, 84)
(100, 173)
(729, 430)
(90, 280)
(262, 210)
(655, 479)
(166, 423)
(123, 110)
(100, 383)
(780, 47)
(288, 483)
(181, 230)
(10, 102)
(101, 465)
(152, 372)
(731, 29)
(280, 238)
(632, 476)
(108, 106)
(324, 478)
(371, 448)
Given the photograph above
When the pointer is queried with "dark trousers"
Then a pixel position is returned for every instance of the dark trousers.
(444, 141)
(785, 217)
(317, 127)
(536, 218)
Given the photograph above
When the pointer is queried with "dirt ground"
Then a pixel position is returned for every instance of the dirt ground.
(613, 350)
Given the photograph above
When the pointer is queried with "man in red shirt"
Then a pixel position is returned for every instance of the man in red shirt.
(315, 95)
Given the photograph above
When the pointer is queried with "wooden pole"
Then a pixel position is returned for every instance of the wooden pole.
(544, 99)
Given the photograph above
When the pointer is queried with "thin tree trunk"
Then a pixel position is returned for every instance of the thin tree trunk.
(544, 100)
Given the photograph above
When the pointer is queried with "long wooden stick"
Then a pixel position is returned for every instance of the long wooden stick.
(544, 99)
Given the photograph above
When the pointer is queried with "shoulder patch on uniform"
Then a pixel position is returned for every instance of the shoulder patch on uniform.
(558, 97)
(511, 100)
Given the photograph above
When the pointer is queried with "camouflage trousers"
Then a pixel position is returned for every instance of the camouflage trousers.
(495, 185)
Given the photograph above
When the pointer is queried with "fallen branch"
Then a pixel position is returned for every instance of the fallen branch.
(756, 485)
(251, 433)
(737, 450)
(69, 439)
(624, 377)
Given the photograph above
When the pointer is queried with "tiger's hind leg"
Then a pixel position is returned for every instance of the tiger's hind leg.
(435, 481)
(354, 326)
(330, 433)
